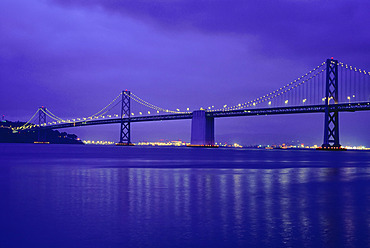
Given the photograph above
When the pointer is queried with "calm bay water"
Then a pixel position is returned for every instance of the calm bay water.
(95, 196)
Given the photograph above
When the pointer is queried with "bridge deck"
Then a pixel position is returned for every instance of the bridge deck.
(346, 107)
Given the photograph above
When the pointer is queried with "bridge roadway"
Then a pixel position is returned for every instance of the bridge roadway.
(344, 107)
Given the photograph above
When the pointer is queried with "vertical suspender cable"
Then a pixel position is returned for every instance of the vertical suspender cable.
(350, 84)
(341, 83)
(345, 84)
(355, 85)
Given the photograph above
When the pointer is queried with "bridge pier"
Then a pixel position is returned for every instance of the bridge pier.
(202, 129)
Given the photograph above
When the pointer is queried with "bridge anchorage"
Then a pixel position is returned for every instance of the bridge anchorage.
(202, 129)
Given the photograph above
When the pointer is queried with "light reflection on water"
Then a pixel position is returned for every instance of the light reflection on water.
(108, 204)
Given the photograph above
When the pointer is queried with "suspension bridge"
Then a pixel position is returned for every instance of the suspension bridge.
(330, 88)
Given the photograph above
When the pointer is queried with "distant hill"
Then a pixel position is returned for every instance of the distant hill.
(7, 135)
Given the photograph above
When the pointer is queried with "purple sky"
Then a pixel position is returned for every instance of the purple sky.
(75, 56)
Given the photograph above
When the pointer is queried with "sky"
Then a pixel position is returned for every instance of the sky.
(74, 57)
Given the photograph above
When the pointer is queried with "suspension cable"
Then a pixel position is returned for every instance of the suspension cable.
(274, 93)
(24, 125)
(106, 106)
(60, 119)
(152, 106)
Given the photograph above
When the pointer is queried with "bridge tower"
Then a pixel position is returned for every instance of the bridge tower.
(202, 129)
(41, 137)
(331, 124)
(125, 135)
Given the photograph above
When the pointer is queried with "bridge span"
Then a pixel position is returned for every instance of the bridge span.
(317, 91)
(346, 107)
(203, 129)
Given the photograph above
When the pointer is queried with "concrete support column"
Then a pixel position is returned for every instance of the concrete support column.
(202, 129)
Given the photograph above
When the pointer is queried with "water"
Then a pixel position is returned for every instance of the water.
(94, 196)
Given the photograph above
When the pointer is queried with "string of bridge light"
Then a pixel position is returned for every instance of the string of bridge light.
(60, 120)
(273, 94)
(136, 100)
(24, 126)
(353, 68)
(53, 116)
(263, 99)
(97, 116)
(106, 106)
(152, 106)
(281, 93)
(115, 115)
(42, 124)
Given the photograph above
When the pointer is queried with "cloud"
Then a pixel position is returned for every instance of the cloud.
(65, 57)
(288, 28)
(75, 56)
